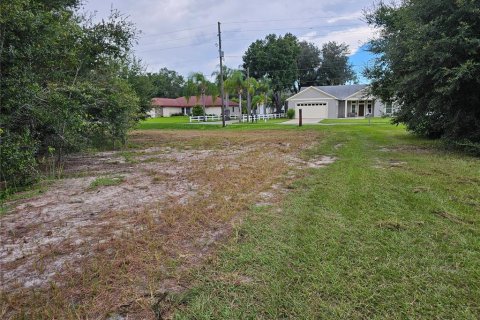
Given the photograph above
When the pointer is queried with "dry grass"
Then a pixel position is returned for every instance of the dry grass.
(133, 257)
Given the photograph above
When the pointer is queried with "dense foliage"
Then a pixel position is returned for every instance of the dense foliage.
(166, 83)
(335, 68)
(429, 64)
(324, 67)
(308, 61)
(64, 83)
(197, 111)
(274, 57)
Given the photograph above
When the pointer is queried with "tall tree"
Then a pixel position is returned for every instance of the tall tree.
(274, 57)
(335, 68)
(63, 83)
(251, 86)
(227, 72)
(167, 83)
(263, 91)
(309, 61)
(236, 83)
(428, 62)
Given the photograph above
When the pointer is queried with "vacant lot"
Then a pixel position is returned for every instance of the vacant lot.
(116, 232)
(254, 221)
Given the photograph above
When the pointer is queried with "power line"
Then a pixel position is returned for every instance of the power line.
(180, 30)
(305, 36)
(169, 48)
(294, 28)
(183, 38)
(288, 19)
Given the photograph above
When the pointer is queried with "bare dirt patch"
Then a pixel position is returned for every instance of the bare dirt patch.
(75, 251)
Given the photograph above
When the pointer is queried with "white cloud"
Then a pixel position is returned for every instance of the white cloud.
(193, 48)
(353, 37)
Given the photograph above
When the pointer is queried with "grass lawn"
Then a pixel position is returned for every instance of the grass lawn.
(390, 230)
(357, 121)
(183, 123)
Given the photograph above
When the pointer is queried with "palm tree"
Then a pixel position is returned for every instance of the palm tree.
(227, 88)
(236, 83)
(251, 86)
(263, 89)
(197, 85)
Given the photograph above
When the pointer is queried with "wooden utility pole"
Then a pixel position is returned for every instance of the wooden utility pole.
(300, 118)
(220, 54)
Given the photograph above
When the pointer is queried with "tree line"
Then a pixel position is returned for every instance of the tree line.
(277, 67)
(65, 84)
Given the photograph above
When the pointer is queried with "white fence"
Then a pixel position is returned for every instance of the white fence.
(206, 118)
(263, 116)
(235, 117)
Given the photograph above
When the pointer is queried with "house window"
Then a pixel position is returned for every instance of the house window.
(354, 106)
(369, 107)
(311, 104)
(388, 108)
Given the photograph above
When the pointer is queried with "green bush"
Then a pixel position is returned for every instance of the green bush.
(18, 166)
(197, 111)
(290, 113)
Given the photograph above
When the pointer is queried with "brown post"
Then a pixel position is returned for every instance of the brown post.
(299, 117)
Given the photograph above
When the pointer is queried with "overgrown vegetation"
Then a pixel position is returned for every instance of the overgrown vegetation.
(65, 84)
(428, 61)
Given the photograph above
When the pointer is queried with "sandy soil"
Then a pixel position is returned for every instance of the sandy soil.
(192, 184)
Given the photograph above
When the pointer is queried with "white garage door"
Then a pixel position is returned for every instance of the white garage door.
(314, 110)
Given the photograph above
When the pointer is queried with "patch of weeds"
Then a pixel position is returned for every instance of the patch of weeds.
(106, 182)
(129, 156)
(4, 209)
(25, 193)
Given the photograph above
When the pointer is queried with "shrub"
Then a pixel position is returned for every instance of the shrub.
(18, 166)
(197, 111)
(290, 113)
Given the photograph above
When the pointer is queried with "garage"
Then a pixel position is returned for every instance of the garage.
(312, 110)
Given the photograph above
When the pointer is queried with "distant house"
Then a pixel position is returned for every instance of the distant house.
(325, 102)
(166, 107)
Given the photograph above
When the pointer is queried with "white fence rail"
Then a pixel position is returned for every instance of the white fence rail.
(263, 116)
(236, 117)
(206, 118)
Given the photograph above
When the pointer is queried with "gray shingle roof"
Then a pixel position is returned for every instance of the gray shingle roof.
(341, 92)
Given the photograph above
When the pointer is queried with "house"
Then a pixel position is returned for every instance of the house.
(342, 101)
(166, 107)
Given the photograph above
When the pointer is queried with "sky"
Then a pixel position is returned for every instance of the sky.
(181, 35)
